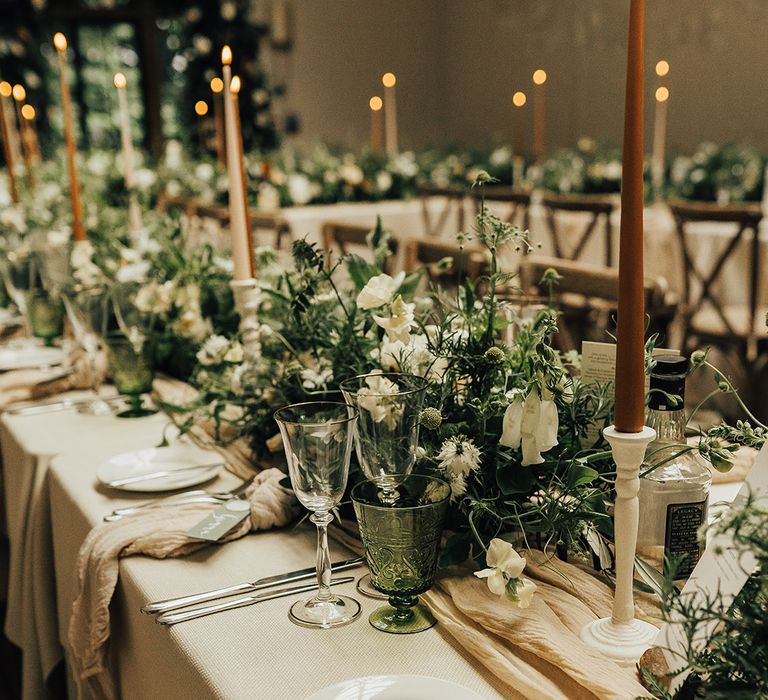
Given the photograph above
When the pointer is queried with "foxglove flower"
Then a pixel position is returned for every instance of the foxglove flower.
(532, 423)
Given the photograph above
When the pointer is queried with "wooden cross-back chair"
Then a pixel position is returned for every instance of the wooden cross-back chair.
(587, 297)
(454, 195)
(707, 317)
(470, 262)
(597, 206)
(342, 236)
(519, 201)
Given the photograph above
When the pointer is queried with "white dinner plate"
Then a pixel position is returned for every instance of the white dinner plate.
(28, 356)
(395, 688)
(157, 459)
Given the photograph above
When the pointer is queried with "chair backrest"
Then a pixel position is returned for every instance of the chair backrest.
(698, 287)
(454, 196)
(588, 295)
(519, 201)
(470, 262)
(343, 236)
(596, 206)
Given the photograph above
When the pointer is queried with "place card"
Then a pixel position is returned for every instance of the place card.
(721, 569)
(218, 523)
(598, 361)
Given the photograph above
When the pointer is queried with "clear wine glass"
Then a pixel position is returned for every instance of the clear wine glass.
(317, 437)
(88, 316)
(387, 433)
(20, 275)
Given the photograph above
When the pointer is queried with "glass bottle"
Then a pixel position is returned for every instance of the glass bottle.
(674, 494)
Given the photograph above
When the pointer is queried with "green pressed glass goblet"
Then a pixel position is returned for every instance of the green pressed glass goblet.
(46, 316)
(402, 542)
(132, 369)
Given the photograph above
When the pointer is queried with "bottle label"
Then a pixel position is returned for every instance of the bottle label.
(682, 534)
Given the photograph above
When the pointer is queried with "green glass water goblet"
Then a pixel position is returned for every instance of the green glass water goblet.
(402, 543)
(132, 369)
(46, 316)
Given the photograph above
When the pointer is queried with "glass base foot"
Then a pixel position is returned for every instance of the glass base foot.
(389, 619)
(365, 587)
(97, 407)
(333, 612)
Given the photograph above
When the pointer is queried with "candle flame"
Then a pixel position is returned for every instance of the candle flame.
(519, 99)
(662, 68)
(19, 93)
(60, 41)
(388, 80)
(234, 86)
(226, 55)
(5, 89)
(540, 76)
(375, 103)
(217, 85)
(201, 108)
(28, 112)
(120, 81)
(662, 94)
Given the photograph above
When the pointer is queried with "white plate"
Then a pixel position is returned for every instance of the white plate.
(396, 688)
(25, 357)
(156, 459)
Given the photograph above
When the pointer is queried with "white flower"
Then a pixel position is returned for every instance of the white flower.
(98, 164)
(154, 298)
(383, 181)
(398, 325)
(57, 238)
(144, 178)
(459, 455)
(213, 351)
(377, 399)
(458, 484)
(379, 291)
(319, 377)
(532, 423)
(268, 197)
(204, 172)
(133, 272)
(351, 174)
(505, 574)
(235, 353)
(299, 188)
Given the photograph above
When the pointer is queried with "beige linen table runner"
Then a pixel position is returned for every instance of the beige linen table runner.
(156, 532)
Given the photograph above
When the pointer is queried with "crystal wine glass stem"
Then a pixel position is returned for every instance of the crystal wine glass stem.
(323, 520)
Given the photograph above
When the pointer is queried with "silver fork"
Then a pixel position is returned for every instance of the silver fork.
(196, 496)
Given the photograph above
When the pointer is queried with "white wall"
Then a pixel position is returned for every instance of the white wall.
(458, 62)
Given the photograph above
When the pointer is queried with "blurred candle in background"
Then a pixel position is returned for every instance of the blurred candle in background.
(78, 229)
(8, 149)
(658, 154)
(519, 100)
(29, 115)
(134, 212)
(539, 113)
(19, 95)
(376, 103)
(217, 87)
(234, 87)
(388, 80)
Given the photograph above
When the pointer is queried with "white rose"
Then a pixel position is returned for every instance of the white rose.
(379, 291)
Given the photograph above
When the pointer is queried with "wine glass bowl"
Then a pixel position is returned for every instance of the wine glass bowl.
(317, 438)
(132, 369)
(46, 316)
(402, 542)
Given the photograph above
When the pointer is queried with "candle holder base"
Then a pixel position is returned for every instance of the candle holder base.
(247, 296)
(622, 642)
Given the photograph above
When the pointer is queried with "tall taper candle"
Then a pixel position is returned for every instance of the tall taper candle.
(518, 157)
(60, 42)
(240, 253)
(375, 103)
(539, 113)
(217, 86)
(390, 112)
(28, 113)
(234, 88)
(5, 91)
(134, 213)
(659, 140)
(19, 95)
(630, 357)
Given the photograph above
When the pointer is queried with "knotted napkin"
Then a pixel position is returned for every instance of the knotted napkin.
(156, 532)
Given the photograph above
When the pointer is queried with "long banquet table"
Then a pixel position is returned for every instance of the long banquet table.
(254, 652)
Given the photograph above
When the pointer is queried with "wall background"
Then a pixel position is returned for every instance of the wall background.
(459, 62)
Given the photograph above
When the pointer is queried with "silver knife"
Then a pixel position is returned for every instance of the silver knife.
(150, 476)
(175, 617)
(162, 606)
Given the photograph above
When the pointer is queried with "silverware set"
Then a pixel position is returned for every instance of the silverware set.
(172, 611)
(59, 405)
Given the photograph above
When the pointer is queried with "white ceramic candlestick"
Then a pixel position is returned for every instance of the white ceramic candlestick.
(621, 637)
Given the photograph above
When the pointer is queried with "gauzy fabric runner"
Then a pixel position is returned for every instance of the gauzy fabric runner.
(156, 532)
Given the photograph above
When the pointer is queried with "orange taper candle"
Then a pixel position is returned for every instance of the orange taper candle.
(234, 87)
(60, 42)
(630, 353)
(5, 91)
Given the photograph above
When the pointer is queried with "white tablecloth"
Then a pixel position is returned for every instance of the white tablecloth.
(252, 653)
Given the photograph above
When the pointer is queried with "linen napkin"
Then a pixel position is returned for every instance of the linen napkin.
(31, 384)
(155, 532)
(535, 653)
